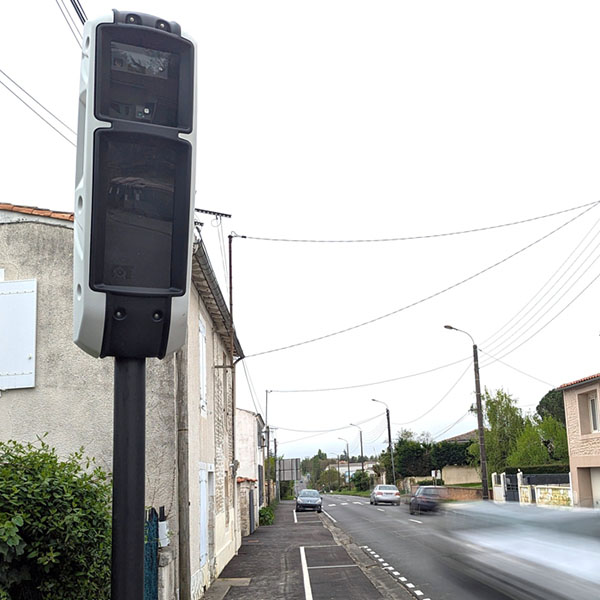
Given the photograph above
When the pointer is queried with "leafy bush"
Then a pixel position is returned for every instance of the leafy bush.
(55, 524)
(266, 516)
(430, 482)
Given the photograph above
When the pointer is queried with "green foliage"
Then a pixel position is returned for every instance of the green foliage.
(411, 458)
(449, 453)
(266, 516)
(430, 482)
(552, 405)
(361, 481)
(329, 480)
(504, 425)
(540, 442)
(286, 490)
(54, 525)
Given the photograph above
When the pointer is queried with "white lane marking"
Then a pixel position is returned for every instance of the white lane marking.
(402, 578)
(333, 567)
(375, 555)
(416, 521)
(305, 577)
(357, 503)
(366, 503)
(380, 560)
(410, 585)
(295, 518)
(331, 505)
(328, 515)
(395, 574)
(389, 568)
(381, 509)
(324, 546)
(344, 504)
(418, 593)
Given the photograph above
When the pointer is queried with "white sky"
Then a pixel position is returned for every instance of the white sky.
(355, 120)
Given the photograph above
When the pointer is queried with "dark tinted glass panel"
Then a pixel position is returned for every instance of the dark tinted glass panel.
(135, 227)
(144, 84)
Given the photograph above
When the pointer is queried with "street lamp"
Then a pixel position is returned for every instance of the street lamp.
(387, 414)
(268, 469)
(348, 457)
(482, 458)
(362, 457)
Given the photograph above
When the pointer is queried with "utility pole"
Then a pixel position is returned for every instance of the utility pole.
(390, 444)
(485, 493)
(268, 469)
(348, 457)
(277, 489)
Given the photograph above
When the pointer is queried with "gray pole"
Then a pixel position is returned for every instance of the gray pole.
(391, 445)
(485, 494)
(268, 469)
(348, 455)
(127, 563)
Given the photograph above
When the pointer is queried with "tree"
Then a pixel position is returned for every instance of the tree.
(552, 405)
(449, 453)
(361, 481)
(55, 525)
(504, 425)
(541, 442)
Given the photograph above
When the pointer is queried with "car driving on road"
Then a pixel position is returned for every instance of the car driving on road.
(309, 500)
(385, 494)
(425, 499)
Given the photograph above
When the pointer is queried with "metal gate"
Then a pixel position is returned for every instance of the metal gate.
(151, 557)
(512, 487)
(251, 508)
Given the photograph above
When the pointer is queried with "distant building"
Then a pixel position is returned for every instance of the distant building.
(582, 413)
(463, 438)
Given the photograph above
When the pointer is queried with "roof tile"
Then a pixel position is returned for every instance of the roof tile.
(39, 212)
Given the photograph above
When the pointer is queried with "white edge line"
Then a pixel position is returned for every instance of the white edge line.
(416, 521)
(327, 514)
(295, 517)
(305, 577)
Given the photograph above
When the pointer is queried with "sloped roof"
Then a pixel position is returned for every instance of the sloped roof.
(463, 438)
(588, 379)
(203, 276)
(38, 212)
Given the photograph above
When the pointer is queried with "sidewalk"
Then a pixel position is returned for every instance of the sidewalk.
(305, 560)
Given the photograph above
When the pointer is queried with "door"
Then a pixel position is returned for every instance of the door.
(203, 476)
(595, 479)
(251, 509)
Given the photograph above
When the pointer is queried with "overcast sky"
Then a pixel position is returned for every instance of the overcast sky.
(347, 120)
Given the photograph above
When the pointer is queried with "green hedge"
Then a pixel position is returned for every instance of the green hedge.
(55, 525)
(539, 469)
(266, 516)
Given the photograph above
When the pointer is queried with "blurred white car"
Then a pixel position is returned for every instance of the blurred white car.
(525, 552)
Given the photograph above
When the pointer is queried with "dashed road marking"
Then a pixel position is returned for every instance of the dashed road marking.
(416, 521)
(344, 504)
(381, 509)
(357, 503)
(418, 593)
(331, 505)
(410, 585)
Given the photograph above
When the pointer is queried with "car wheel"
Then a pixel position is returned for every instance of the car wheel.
(375, 502)
(370, 501)
(319, 510)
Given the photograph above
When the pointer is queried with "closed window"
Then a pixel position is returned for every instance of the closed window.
(594, 413)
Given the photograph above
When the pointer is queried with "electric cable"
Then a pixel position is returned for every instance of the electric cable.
(431, 296)
(68, 19)
(329, 430)
(513, 368)
(37, 114)
(438, 402)
(36, 101)
(251, 389)
(451, 426)
(415, 237)
(79, 10)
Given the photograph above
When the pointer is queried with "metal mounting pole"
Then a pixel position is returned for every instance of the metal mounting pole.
(127, 563)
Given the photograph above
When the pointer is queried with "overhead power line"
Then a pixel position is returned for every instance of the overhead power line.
(494, 359)
(414, 237)
(70, 22)
(79, 10)
(431, 296)
(34, 111)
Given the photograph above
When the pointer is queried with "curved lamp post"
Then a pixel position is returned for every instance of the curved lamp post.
(390, 445)
(362, 457)
(485, 494)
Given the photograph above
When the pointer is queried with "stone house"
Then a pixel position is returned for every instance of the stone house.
(583, 434)
(49, 386)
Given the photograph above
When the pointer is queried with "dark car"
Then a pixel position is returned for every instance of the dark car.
(425, 499)
(309, 500)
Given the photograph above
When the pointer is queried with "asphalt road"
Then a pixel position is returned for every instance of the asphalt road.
(401, 541)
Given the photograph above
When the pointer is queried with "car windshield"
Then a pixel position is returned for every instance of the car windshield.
(388, 488)
(309, 493)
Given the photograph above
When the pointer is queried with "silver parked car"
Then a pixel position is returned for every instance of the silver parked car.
(309, 500)
(385, 493)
